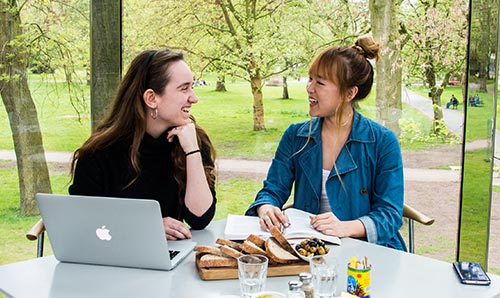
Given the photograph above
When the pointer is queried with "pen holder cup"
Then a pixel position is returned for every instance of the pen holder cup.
(359, 281)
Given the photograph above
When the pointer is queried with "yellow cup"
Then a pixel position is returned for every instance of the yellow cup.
(359, 281)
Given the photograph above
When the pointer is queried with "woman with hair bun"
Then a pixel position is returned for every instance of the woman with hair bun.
(149, 147)
(344, 167)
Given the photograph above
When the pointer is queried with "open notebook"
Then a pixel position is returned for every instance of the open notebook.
(238, 227)
(109, 231)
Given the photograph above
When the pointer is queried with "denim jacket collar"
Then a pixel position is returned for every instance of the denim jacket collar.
(361, 131)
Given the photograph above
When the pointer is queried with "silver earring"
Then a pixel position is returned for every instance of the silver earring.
(154, 114)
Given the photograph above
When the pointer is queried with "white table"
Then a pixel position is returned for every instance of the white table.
(395, 274)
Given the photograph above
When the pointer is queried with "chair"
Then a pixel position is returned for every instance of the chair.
(412, 215)
(37, 232)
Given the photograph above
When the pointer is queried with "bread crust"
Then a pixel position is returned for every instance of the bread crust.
(259, 241)
(229, 243)
(209, 250)
(276, 233)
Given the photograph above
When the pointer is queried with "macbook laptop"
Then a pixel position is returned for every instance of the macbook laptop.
(109, 231)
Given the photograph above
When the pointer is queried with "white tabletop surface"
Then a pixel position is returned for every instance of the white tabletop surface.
(395, 274)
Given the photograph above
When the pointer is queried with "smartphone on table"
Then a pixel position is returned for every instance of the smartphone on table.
(471, 273)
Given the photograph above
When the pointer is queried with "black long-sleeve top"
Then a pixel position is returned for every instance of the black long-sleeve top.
(107, 173)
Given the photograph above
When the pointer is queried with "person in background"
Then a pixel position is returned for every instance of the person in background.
(346, 169)
(454, 101)
(148, 146)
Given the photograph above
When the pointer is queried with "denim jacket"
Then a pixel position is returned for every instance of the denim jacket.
(371, 184)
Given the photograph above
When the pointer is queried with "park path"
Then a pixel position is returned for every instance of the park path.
(454, 119)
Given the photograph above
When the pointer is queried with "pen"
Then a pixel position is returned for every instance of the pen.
(284, 225)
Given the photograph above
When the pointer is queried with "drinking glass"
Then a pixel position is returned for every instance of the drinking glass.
(252, 274)
(324, 272)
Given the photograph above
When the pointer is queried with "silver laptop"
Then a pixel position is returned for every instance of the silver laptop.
(109, 231)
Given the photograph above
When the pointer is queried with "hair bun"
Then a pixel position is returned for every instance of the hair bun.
(359, 50)
(367, 47)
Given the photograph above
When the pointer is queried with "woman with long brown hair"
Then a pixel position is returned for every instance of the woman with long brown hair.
(346, 169)
(148, 146)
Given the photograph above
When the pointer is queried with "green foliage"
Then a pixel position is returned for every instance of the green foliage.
(428, 30)
(412, 133)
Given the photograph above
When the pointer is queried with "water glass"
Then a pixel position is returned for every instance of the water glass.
(324, 272)
(252, 274)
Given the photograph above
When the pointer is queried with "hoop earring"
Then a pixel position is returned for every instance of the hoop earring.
(154, 114)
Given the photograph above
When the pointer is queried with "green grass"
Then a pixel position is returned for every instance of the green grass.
(475, 210)
(13, 227)
(235, 195)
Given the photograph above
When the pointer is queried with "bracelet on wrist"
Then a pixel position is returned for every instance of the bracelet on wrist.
(193, 152)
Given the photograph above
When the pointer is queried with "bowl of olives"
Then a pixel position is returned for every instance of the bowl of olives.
(312, 246)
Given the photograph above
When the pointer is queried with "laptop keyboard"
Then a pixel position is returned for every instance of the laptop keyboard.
(173, 253)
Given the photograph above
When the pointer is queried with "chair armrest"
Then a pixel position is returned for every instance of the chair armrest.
(36, 230)
(416, 215)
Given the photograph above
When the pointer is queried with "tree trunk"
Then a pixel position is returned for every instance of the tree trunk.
(285, 89)
(258, 104)
(484, 50)
(105, 55)
(31, 164)
(221, 84)
(384, 23)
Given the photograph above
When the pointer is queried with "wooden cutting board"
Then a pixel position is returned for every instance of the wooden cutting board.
(218, 273)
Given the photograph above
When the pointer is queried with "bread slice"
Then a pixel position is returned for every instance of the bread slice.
(275, 231)
(231, 252)
(209, 250)
(211, 261)
(229, 243)
(259, 241)
(252, 248)
(278, 254)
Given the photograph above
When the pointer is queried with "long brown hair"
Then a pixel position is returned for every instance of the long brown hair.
(126, 117)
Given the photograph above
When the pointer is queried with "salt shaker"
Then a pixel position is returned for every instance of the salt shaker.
(307, 287)
(294, 289)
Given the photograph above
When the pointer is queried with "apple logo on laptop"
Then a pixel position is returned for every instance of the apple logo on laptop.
(103, 233)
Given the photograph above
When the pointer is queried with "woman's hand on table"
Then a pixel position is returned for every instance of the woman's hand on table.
(272, 216)
(175, 229)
